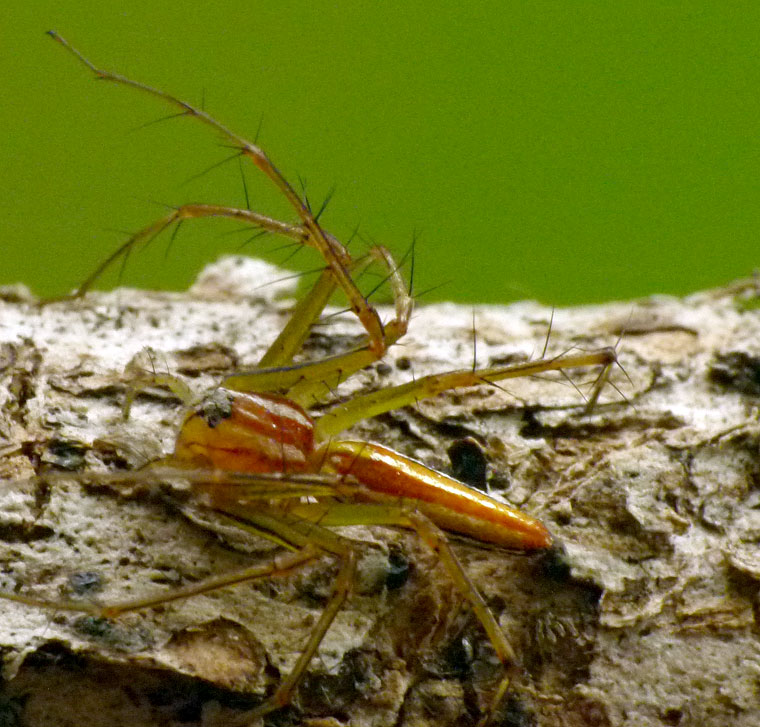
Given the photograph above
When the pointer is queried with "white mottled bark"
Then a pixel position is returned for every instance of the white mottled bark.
(655, 498)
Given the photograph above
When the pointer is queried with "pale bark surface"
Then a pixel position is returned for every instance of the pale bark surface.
(649, 618)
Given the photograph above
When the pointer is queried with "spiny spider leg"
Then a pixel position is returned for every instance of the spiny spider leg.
(342, 416)
(309, 231)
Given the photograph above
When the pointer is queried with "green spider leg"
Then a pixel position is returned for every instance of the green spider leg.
(308, 232)
(296, 512)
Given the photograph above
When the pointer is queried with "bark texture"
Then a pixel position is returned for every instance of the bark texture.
(645, 614)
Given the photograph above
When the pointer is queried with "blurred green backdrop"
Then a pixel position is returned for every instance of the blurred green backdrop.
(565, 151)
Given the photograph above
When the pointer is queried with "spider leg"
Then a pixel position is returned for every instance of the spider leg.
(303, 316)
(282, 564)
(436, 540)
(360, 407)
(407, 515)
(309, 383)
(285, 525)
(188, 212)
(306, 383)
(334, 253)
(309, 308)
(341, 590)
(288, 342)
(259, 504)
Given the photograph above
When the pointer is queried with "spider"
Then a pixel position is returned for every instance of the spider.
(253, 455)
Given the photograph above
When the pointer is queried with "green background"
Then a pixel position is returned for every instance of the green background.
(565, 151)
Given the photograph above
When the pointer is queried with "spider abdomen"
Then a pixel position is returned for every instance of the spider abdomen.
(388, 476)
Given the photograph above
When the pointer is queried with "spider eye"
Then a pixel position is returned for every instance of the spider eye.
(215, 408)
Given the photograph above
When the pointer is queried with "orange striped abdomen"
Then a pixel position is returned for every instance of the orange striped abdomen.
(390, 477)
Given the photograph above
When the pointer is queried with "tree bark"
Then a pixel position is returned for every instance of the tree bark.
(645, 613)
